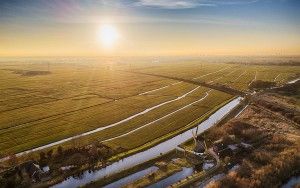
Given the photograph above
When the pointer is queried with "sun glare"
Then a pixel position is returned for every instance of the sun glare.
(108, 35)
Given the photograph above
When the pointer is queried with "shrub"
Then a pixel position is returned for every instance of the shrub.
(42, 156)
(60, 150)
(245, 169)
(49, 153)
(261, 157)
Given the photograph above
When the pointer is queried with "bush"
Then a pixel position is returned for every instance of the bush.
(12, 160)
(261, 157)
(60, 150)
(245, 169)
(42, 156)
(49, 153)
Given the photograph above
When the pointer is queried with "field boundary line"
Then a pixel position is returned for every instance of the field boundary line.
(172, 134)
(104, 127)
(167, 115)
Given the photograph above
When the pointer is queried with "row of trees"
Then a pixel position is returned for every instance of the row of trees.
(259, 84)
(76, 155)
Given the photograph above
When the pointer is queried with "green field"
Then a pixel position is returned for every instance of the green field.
(81, 96)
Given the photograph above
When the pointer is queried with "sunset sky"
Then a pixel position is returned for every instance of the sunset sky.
(149, 27)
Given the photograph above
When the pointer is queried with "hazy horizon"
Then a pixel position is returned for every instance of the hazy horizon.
(150, 28)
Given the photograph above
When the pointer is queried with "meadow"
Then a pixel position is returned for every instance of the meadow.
(129, 109)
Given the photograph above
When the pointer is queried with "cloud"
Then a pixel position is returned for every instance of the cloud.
(232, 2)
(172, 4)
(187, 4)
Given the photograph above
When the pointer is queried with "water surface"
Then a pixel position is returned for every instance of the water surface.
(150, 153)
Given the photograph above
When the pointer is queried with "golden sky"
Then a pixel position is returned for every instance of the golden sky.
(148, 27)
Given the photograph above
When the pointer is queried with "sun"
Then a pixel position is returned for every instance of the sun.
(108, 35)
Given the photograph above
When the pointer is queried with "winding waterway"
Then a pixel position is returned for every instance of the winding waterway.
(150, 153)
(135, 176)
(293, 181)
(115, 124)
(185, 172)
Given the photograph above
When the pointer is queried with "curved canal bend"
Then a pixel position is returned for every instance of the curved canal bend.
(150, 153)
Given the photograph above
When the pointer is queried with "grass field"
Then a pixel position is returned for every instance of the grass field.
(233, 75)
(81, 96)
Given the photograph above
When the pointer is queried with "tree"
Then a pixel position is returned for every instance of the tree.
(93, 153)
(227, 160)
(60, 150)
(259, 84)
(42, 156)
(245, 169)
(75, 143)
(12, 160)
(49, 153)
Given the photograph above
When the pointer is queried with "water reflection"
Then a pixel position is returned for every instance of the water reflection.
(150, 153)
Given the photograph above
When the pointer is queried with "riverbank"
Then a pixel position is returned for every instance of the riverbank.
(172, 134)
(147, 152)
(175, 175)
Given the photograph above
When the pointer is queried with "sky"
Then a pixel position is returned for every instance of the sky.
(149, 27)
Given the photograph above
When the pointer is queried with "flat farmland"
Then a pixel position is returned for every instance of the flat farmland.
(109, 102)
(238, 76)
